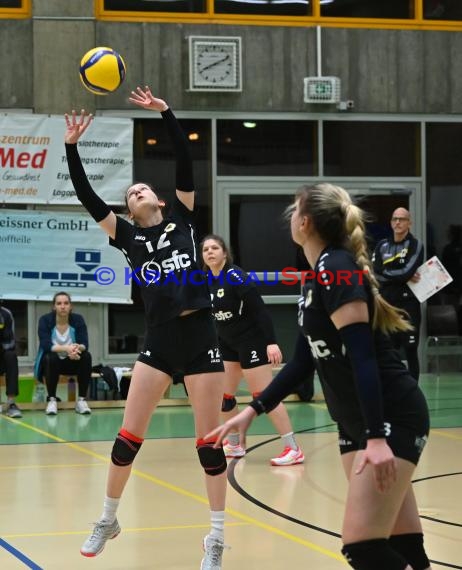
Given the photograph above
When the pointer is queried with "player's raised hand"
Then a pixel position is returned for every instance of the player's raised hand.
(145, 99)
(76, 125)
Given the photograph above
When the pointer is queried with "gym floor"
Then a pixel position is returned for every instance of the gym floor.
(53, 472)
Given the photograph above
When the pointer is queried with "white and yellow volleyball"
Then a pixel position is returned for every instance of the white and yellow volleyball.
(102, 70)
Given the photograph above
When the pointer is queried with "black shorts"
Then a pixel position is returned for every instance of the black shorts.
(408, 432)
(184, 345)
(249, 354)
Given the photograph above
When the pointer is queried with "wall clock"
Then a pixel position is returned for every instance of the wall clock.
(215, 63)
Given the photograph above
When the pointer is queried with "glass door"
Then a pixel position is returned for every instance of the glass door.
(249, 214)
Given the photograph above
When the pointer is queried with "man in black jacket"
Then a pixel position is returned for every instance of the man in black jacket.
(396, 260)
(9, 361)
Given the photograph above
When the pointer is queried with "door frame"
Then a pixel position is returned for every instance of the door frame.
(276, 186)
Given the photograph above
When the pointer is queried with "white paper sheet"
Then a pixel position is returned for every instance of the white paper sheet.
(433, 277)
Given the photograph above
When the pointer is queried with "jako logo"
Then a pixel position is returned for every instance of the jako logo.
(140, 238)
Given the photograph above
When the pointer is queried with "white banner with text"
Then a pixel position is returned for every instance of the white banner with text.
(45, 252)
(34, 166)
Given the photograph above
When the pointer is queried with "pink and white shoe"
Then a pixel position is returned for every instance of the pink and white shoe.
(288, 457)
(233, 450)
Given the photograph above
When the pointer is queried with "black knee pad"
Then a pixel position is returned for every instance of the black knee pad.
(229, 403)
(376, 554)
(125, 448)
(212, 460)
(411, 547)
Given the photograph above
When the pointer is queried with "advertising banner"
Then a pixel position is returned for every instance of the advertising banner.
(33, 161)
(42, 253)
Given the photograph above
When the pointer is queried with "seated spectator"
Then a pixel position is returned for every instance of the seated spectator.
(9, 361)
(63, 349)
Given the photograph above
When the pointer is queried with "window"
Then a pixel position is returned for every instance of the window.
(390, 9)
(156, 5)
(15, 8)
(154, 162)
(358, 13)
(442, 9)
(444, 204)
(353, 148)
(264, 7)
(266, 148)
(261, 242)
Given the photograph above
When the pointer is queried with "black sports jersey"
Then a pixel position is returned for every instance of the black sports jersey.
(238, 308)
(318, 302)
(394, 264)
(164, 265)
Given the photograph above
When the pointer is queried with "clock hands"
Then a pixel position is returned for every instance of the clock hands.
(215, 63)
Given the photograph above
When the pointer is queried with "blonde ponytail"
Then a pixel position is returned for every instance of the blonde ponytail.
(386, 317)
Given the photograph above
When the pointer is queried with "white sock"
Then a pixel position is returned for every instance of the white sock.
(289, 440)
(217, 519)
(233, 438)
(109, 509)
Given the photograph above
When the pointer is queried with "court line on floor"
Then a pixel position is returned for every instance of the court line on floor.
(140, 529)
(449, 435)
(241, 491)
(19, 555)
(49, 466)
(199, 498)
(186, 493)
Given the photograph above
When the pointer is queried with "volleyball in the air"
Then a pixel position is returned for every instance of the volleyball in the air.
(102, 70)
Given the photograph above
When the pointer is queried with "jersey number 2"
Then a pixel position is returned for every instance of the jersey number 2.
(163, 241)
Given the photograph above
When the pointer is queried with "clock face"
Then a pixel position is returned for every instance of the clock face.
(215, 64)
